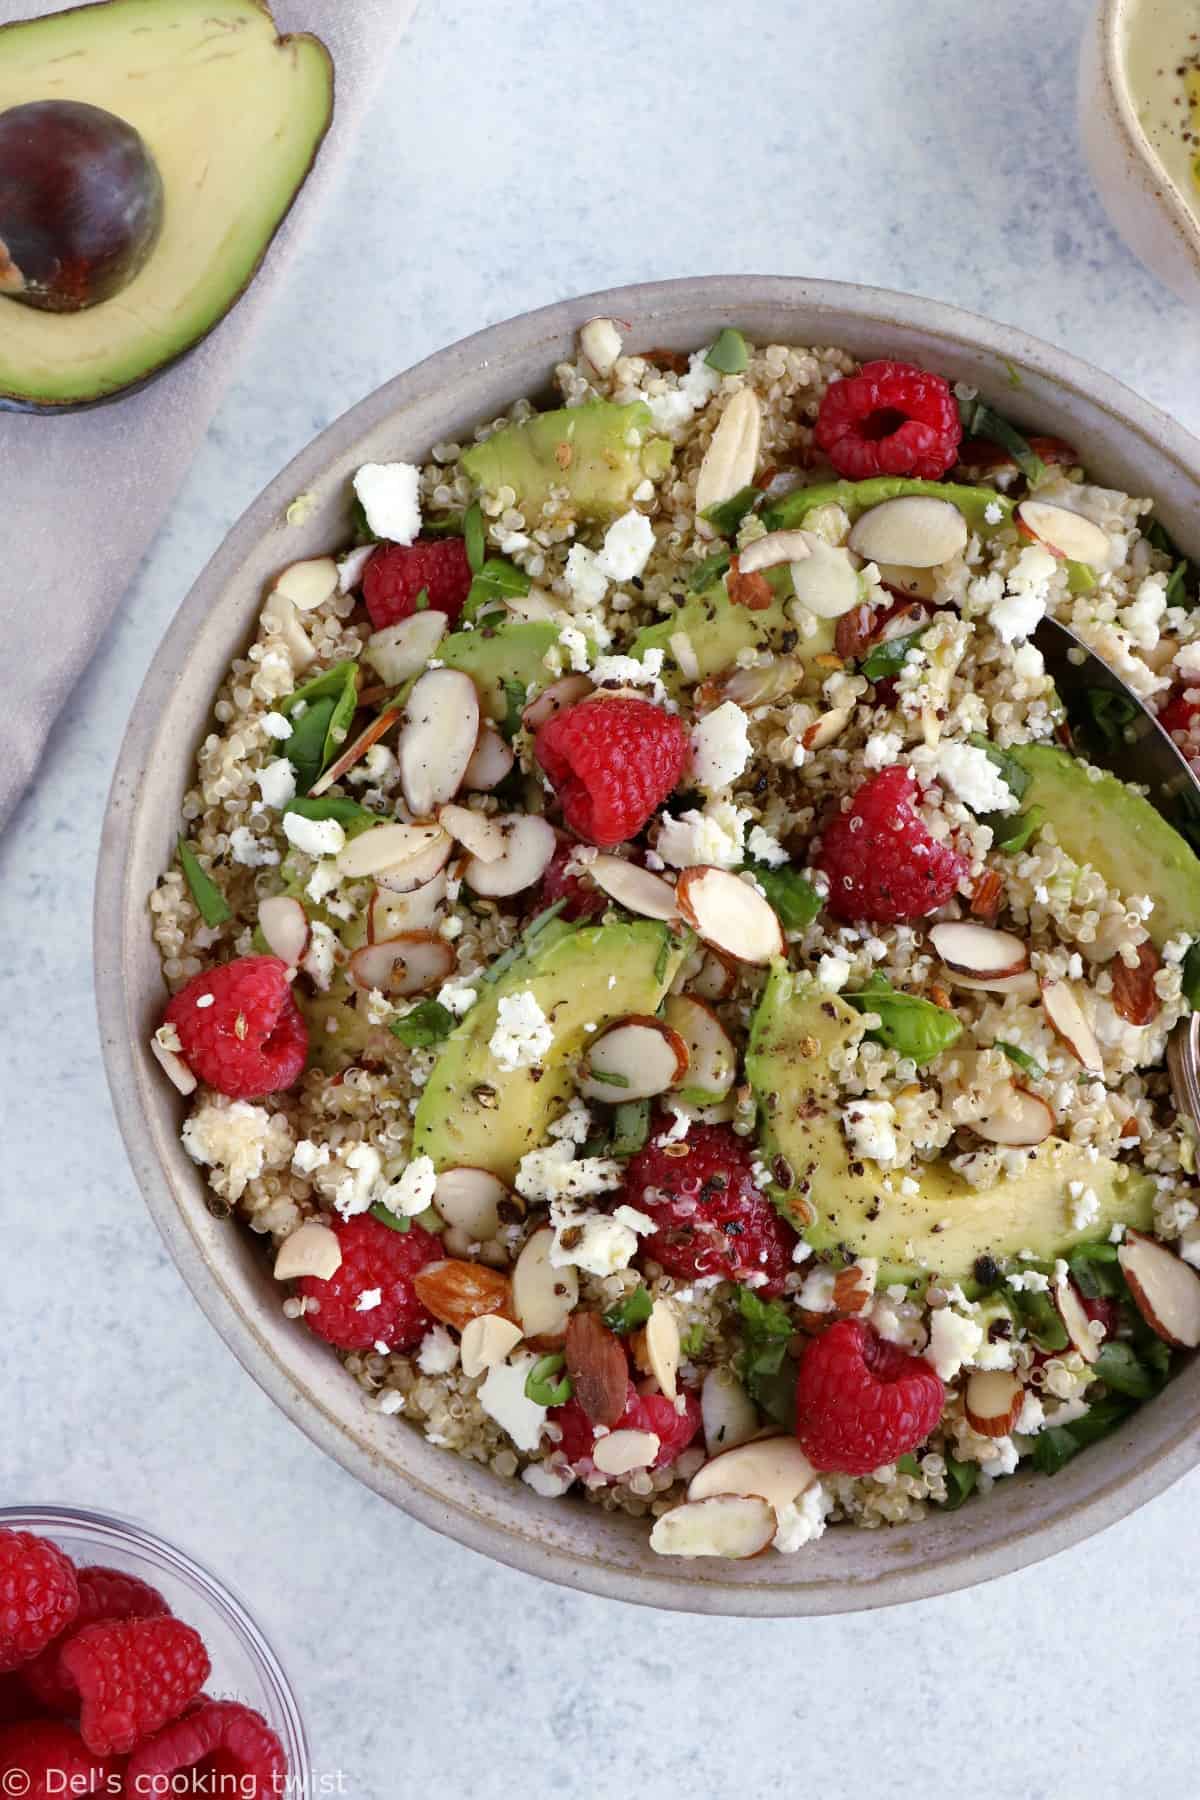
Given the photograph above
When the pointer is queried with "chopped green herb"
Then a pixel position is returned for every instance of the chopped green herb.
(524, 943)
(212, 904)
(428, 1023)
(1096, 1271)
(961, 1478)
(348, 813)
(709, 571)
(1177, 585)
(726, 516)
(1054, 1447)
(541, 1388)
(1081, 579)
(915, 1028)
(729, 354)
(692, 1341)
(908, 1464)
(763, 1365)
(1015, 778)
(358, 521)
(473, 536)
(514, 701)
(609, 1078)
(496, 580)
(1157, 534)
(1022, 1059)
(1012, 831)
(630, 1312)
(1120, 1368)
(630, 1128)
(1109, 713)
(1040, 1317)
(888, 658)
(795, 900)
(321, 712)
(421, 603)
(978, 420)
(385, 1216)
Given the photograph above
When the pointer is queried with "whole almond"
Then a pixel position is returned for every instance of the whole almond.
(457, 1292)
(597, 1367)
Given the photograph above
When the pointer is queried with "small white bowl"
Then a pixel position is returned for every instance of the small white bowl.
(1143, 202)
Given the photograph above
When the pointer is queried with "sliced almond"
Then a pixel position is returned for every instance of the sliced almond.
(1024, 985)
(634, 888)
(528, 849)
(534, 608)
(173, 1065)
(1166, 1290)
(1065, 533)
(756, 686)
(979, 950)
(544, 1297)
(726, 1526)
(684, 652)
(716, 977)
(354, 752)
(600, 342)
(395, 847)
(284, 924)
(992, 1401)
(920, 584)
(1066, 1016)
(410, 964)
(728, 1414)
(826, 581)
(712, 1059)
(774, 1468)
(598, 1368)
(418, 871)
(915, 530)
(438, 738)
(471, 1200)
(491, 760)
(827, 729)
(1020, 1119)
(402, 650)
(312, 1249)
(775, 548)
(732, 456)
(487, 1340)
(621, 1452)
(351, 567)
(729, 914)
(391, 915)
(478, 834)
(663, 1348)
(280, 619)
(309, 584)
(1073, 1314)
(634, 1059)
(569, 690)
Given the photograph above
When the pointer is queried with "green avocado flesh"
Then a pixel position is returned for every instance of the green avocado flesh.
(599, 452)
(1097, 819)
(233, 116)
(858, 497)
(718, 631)
(946, 1225)
(472, 1113)
(495, 656)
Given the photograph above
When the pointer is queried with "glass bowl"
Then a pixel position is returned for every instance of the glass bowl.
(244, 1665)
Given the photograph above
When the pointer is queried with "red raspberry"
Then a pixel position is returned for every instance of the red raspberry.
(133, 1677)
(711, 1217)
(649, 1412)
(228, 1747)
(584, 901)
(252, 1039)
(613, 762)
(103, 1594)
(393, 579)
(1180, 719)
(889, 419)
(373, 1256)
(882, 863)
(862, 1402)
(39, 1595)
(49, 1755)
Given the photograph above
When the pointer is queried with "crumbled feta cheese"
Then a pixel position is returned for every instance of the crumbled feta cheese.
(250, 851)
(308, 1156)
(816, 1295)
(766, 849)
(993, 512)
(629, 671)
(598, 1243)
(678, 1129)
(627, 546)
(1029, 1281)
(833, 972)
(1026, 594)
(1084, 1209)
(802, 1521)
(438, 1353)
(1031, 1417)
(322, 882)
(503, 1398)
(576, 647)
(315, 837)
(413, 1192)
(586, 581)
(971, 776)
(523, 1033)
(575, 1125)
(713, 836)
(549, 1482)
(391, 499)
(720, 747)
(882, 749)
(351, 566)
(355, 1191)
(368, 1300)
(870, 1128)
(458, 997)
(320, 959)
(275, 725)
(1187, 661)
(953, 1341)
(1143, 616)
(555, 1173)
(278, 783)
(237, 1141)
(1028, 663)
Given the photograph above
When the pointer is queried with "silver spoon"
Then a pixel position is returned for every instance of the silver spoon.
(1142, 753)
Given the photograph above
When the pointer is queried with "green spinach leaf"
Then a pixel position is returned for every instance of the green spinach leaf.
(210, 901)
(915, 1028)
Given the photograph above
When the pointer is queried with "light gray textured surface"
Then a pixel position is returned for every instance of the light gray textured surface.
(918, 149)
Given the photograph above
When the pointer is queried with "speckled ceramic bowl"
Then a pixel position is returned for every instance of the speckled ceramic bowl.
(1141, 199)
(1123, 439)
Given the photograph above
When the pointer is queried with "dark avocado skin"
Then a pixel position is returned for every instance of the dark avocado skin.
(11, 402)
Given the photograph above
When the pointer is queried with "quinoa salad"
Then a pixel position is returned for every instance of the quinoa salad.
(679, 1000)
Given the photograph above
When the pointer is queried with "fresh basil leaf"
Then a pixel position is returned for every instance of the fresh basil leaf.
(428, 1023)
(1096, 1271)
(524, 943)
(961, 1479)
(1054, 1447)
(1022, 1059)
(726, 516)
(608, 1078)
(473, 537)
(630, 1312)
(887, 659)
(1040, 1317)
(979, 420)
(763, 1365)
(915, 1028)
(496, 580)
(709, 571)
(210, 901)
(1120, 1368)
(729, 354)
(692, 1341)
(795, 900)
(630, 1128)
(327, 705)
(514, 703)
(348, 813)
(385, 1216)
(358, 523)
(1011, 832)
(1015, 778)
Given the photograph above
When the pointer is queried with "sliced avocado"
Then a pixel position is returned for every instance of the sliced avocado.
(232, 115)
(599, 452)
(858, 497)
(472, 1112)
(1097, 819)
(947, 1224)
(501, 658)
(719, 631)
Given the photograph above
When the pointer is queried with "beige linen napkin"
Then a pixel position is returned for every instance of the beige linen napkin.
(92, 548)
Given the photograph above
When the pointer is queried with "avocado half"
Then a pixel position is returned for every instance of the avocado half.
(233, 115)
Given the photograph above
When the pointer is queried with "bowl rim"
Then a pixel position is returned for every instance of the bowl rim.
(118, 913)
(1162, 186)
